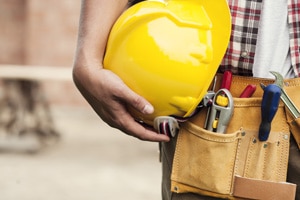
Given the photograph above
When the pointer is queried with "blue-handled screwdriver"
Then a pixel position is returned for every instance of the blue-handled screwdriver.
(269, 106)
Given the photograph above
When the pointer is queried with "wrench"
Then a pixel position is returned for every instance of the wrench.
(284, 97)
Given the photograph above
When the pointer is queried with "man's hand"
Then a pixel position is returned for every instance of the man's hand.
(109, 97)
(104, 90)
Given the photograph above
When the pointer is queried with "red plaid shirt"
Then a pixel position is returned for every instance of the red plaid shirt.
(239, 57)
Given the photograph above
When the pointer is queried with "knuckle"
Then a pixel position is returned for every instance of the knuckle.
(137, 101)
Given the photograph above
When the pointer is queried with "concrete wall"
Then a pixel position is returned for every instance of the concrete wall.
(43, 33)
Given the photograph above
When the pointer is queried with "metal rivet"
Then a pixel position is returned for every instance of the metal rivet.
(176, 188)
(286, 83)
(265, 145)
(254, 140)
(286, 137)
(243, 133)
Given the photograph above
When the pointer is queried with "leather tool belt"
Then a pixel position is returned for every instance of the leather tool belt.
(237, 165)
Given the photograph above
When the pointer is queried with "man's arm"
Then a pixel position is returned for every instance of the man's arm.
(104, 90)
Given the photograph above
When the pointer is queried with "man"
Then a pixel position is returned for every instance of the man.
(265, 37)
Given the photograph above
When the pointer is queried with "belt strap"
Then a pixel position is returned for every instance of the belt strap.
(260, 189)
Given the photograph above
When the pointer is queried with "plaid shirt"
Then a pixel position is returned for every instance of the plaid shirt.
(239, 57)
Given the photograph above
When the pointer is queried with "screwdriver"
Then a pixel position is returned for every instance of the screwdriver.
(269, 106)
(226, 80)
(248, 91)
(222, 100)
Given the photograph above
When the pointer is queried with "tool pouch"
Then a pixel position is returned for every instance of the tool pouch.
(292, 88)
(236, 164)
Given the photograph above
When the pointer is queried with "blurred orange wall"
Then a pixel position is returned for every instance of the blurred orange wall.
(42, 33)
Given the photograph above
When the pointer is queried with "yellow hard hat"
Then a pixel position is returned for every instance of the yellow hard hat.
(169, 51)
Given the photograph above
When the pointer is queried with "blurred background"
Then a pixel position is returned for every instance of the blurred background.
(52, 145)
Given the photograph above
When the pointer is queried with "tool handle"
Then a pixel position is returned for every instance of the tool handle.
(220, 114)
(248, 91)
(226, 80)
(269, 106)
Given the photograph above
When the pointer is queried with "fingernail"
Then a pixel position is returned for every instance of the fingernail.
(148, 109)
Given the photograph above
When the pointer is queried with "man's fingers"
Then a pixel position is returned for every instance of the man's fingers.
(136, 101)
(110, 101)
(135, 129)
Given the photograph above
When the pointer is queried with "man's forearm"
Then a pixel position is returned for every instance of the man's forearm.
(96, 20)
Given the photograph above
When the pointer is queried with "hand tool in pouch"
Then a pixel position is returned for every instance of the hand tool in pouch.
(284, 97)
(226, 81)
(166, 125)
(248, 91)
(220, 112)
(269, 106)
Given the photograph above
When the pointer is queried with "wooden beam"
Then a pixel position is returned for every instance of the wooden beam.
(38, 73)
